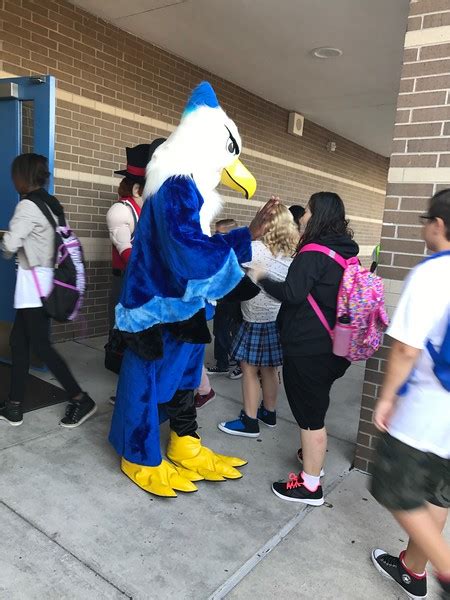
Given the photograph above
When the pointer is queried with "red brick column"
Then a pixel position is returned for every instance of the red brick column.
(420, 165)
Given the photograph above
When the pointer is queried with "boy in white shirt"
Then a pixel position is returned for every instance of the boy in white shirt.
(412, 472)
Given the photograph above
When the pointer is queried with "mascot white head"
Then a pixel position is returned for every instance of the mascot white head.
(205, 146)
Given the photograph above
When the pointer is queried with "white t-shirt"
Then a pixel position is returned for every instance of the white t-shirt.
(263, 308)
(26, 294)
(422, 415)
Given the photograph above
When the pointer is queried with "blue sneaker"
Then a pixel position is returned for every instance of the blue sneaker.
(244, 426)
(268, 417)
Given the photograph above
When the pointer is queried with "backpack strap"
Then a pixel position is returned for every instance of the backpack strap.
(134, 213)
(433, 352)
(45, 210)
(341, 261)
(319, 314)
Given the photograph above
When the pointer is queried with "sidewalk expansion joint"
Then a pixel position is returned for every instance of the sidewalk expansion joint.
(223, 590)
(66, 550)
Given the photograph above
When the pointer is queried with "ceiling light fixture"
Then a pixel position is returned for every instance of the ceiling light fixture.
(326, 52)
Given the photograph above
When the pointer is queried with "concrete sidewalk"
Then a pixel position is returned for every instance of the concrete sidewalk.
(73, 527)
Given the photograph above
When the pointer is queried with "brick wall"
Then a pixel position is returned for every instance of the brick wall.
(116, 90)
(419, 166)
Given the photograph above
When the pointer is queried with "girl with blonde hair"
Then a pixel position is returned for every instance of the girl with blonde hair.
(257, 344)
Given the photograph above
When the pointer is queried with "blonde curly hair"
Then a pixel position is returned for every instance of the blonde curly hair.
(282, 236)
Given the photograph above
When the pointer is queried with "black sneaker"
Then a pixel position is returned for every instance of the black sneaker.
(236, 373)
(11, 412)
(216, 371)
(268, 417)
(294, 490)
(78, 412)
(392, 568)
(244, 426)
(445, 589)
(300, 460)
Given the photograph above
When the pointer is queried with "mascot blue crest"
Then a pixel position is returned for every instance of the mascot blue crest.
(203, 95)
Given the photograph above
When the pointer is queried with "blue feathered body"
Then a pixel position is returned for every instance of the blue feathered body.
(174, 271)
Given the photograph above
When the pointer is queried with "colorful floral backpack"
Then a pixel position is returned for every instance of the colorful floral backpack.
(360, 302)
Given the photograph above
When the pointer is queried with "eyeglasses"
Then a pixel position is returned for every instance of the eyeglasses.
(426, 218)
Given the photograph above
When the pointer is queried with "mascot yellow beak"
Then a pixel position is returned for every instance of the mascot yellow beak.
(237, 177)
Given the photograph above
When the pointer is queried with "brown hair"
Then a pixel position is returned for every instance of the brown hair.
(126, 188)
(31, 169)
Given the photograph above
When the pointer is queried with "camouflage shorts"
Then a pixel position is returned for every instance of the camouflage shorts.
(405, 478)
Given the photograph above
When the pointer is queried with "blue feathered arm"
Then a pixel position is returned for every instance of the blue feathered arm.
(174, 269)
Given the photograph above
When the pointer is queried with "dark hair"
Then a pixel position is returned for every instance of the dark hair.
(31, 169)
(226, 223)
(126, 187)
(327, 217)
(297, 212)
(440, 207)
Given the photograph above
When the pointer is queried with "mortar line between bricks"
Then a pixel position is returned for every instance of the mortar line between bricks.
(286, 420)
(74, 556)
(223, 590)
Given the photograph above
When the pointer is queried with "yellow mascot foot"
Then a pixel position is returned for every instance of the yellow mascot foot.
(233, 461)
(162, 480)
(193, 460)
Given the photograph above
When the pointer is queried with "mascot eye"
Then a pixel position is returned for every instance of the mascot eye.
(232, 145)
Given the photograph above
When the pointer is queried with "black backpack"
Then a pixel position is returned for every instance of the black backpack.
(69, 280)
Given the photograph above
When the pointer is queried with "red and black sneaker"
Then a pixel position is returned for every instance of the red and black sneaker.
(295, 490)
(393, 568)
(201, 399)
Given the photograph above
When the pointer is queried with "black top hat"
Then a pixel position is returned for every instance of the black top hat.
(137, 160)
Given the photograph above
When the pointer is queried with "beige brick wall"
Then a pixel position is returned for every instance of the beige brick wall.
(418, 168)
(116, 90)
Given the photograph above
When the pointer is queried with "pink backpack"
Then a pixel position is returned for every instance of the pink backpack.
(361, 298)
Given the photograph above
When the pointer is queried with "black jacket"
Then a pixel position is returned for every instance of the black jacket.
(300, 329)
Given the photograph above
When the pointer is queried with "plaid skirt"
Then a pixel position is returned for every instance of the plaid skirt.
(258, 344)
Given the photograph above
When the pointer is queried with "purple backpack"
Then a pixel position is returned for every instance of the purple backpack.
(69, 280)
(361, 299)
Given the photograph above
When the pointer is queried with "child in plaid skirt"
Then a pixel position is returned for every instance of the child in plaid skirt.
(257, 343)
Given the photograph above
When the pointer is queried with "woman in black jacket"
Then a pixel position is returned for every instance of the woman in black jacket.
(309, 366)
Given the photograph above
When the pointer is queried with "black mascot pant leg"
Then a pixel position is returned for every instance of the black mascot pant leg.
(182, 413)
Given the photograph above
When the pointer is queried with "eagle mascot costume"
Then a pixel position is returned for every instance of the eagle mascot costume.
(176, 273)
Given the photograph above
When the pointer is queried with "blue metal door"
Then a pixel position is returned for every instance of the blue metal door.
(27, 124)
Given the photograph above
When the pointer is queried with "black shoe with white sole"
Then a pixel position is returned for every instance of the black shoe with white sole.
(392, 568)
(12, 413)
(268, 417)
(217, 370)
(294, 490)
(77, 412)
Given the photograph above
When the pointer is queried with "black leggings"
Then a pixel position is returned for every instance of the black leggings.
(31, 330)
(308, 381)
